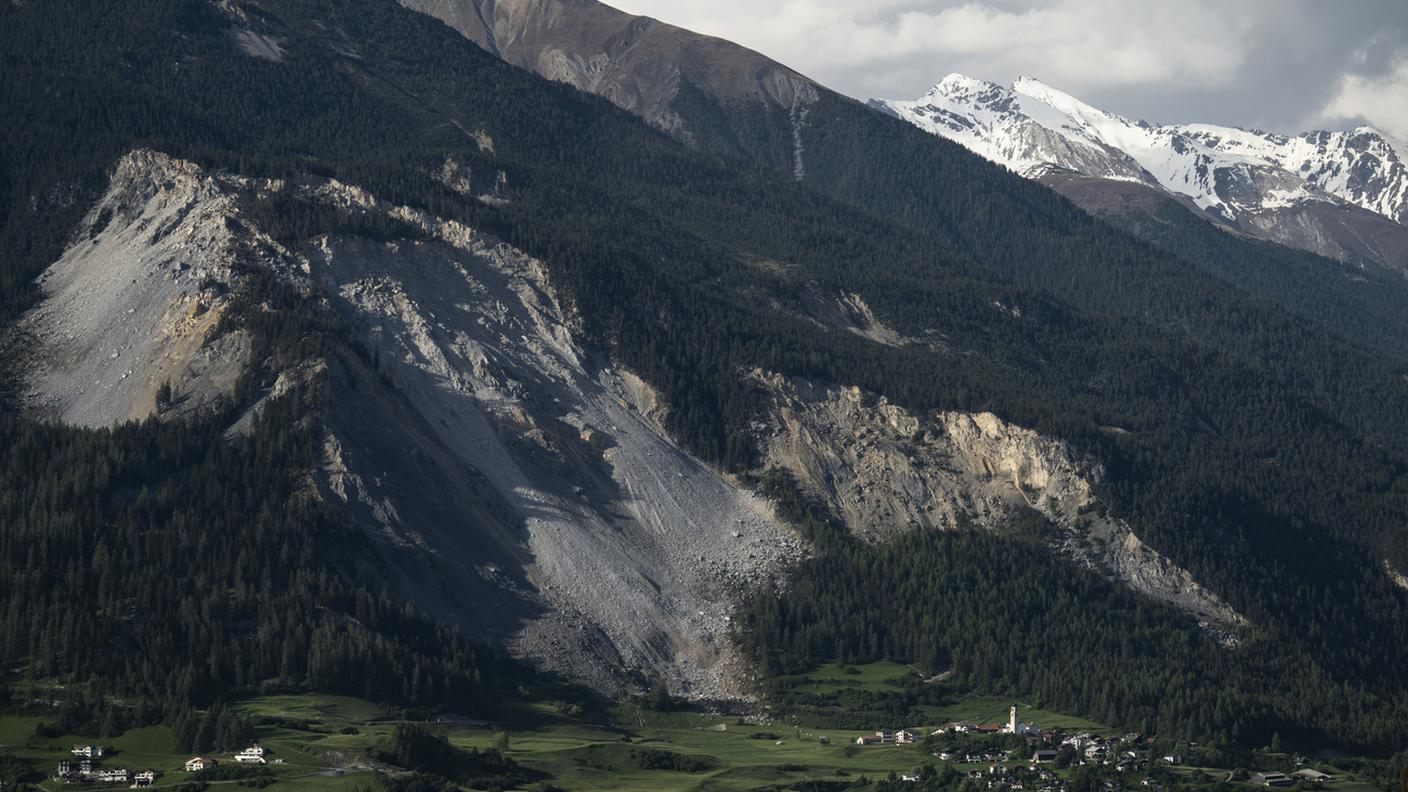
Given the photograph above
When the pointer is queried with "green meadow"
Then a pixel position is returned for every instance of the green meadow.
(324, 743)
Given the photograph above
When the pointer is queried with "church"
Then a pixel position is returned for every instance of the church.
(1014, 726)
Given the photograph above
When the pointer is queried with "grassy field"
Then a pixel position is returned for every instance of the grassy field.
(989, 709)
(877, 677)
(317, 736)
(306, 765)
(323, 742)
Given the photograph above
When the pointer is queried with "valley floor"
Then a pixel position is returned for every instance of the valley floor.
(323, 744)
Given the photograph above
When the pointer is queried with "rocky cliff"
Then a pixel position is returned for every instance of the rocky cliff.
(885, 469)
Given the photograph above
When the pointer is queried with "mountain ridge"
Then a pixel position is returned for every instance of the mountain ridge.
(1339, 185)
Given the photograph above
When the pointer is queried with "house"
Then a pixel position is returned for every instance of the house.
(251, 755)
(199, 763)
(1313, 776)
(115, 775)
(143, 779)
(1271, 779)
(886, 735)
(1173, 759)
(947, 756)
(904, 736)
(66, 770)
(1044, 755)
(88, 751)
(85, 767)
(869, 739)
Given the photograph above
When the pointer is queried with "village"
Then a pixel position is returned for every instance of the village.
(85, 767)
(1032, 768)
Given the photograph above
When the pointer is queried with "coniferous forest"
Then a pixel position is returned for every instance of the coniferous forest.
(1248, 435)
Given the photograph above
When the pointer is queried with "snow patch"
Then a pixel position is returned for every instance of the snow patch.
(1033, 128)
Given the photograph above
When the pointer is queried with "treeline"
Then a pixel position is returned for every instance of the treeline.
(182, 566)
(1006, 617)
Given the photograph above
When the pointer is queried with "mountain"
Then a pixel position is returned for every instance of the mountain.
(696, 88)
(872, 162)
(1340, 194)
(418, 359)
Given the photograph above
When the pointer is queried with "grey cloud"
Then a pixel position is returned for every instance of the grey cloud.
(1271, 64)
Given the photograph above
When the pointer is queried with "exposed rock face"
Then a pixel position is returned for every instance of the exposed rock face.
(884, 469)
(1397, 577)
(515, 483)
(850, 312)
(135, 302)
(638, 63)
(635, 550)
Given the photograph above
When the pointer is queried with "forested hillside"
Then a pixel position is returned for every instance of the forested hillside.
(1257, 449)
(180, 563)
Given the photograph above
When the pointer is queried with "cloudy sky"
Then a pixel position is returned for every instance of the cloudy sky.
(1282, 65)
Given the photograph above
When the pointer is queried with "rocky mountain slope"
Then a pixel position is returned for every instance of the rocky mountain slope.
(135, 304)
(684, 83)
(621, 553)
(498, 460)
(1341, 194)
(511, 330)
(887, 470)
(866, 159)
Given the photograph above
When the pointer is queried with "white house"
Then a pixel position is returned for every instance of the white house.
(115, 775)
(251, 755)
(904, 736)
(198, 763)
(143, 779)
(88, 751)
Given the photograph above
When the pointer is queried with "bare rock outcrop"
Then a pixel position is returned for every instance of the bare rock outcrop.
(637, 63)
(1398, 578)
(636, 551)
(136, 301)
(514, 481)
(884, 469)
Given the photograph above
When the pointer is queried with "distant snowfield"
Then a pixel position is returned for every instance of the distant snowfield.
(1032, 127)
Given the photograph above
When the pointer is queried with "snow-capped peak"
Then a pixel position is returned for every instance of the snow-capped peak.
(1058, 100)
(959, 83)
(1034, 128)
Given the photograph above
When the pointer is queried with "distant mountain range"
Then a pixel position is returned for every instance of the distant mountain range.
(1341, 194)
